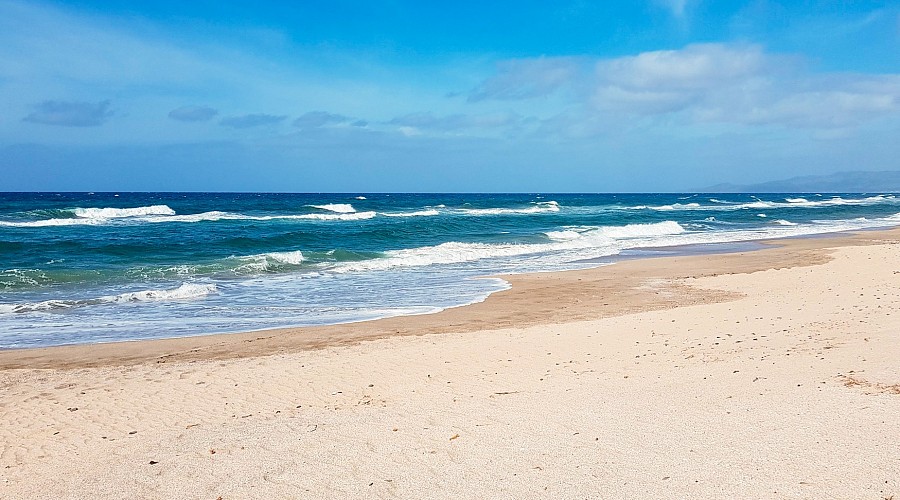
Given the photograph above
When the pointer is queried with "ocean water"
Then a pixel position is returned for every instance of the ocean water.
(99, 267)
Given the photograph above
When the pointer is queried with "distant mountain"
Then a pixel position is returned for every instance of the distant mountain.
(841, 182)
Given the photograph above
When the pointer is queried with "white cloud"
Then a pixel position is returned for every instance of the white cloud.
(739, 84)
(696, 67)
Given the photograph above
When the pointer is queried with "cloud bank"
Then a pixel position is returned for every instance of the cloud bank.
(701, 83)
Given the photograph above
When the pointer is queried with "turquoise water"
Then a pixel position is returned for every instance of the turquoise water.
(97, 267)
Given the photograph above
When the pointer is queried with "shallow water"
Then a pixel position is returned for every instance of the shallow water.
(85, 267)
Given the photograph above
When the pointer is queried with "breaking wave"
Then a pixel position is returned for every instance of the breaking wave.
(760, 204)
(269, 262)
(92, 216)
(184, 292)
(420, 213)
(601, 241)
(539, 207)
(117, 213)
(187, 218)
(341, 208)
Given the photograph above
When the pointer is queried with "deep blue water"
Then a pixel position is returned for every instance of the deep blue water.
(85, 267)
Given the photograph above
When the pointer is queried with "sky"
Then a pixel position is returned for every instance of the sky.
(411, 96)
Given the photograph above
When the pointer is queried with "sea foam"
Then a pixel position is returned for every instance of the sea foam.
(115, 213)
(216, 216)
(53, 222)
(720, 205)
(539, 207)
(336, 216)
(94, 216)
(566, 235)
(600, 241)
(421, 213)
(642, 230)
(341, 208)
(183, 292)
(271, 261)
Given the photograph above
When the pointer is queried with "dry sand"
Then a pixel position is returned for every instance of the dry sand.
(768, 374)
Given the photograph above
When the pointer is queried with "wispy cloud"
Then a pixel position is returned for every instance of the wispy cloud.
(526, 78)
(150, 66)
(251, 120)
(315, 119)
(456, 122)
(193, 113)
(675, 7)
(70, 113)
(613, 100)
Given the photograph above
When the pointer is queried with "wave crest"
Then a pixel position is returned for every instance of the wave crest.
(117, 213)
(420, 213)
(341, 208)
(184, 292)
(270, 262)
(761, 204)
(601, 240)
(538, 207)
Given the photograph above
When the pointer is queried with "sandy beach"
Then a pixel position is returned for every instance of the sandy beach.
(764, 374)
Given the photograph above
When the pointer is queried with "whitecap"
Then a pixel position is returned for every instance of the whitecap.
(216, 216)
(201, 217)
(563, 235)
(115, 213)
(642, 230)
(95, 216)
(269, 261)
(337, 216)
(420, 213)
(539, 207)
(184, 292)
(761, 204)
(52, 222)
(341, 208)
(601, 240)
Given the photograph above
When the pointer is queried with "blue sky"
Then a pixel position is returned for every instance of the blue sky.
(417, 96)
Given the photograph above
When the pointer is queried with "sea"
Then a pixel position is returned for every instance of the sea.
(101, 267)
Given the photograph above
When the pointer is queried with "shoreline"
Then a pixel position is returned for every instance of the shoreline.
(763, 374)
(626, 298)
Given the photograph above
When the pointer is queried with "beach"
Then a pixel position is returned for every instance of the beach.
(759, 374)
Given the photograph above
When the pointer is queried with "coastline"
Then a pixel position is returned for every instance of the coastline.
(765, 374)
(514, 307)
